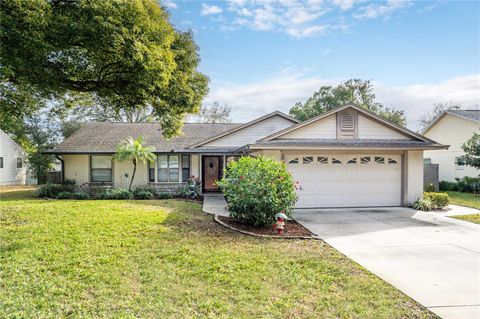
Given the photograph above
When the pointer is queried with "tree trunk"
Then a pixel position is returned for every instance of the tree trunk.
(133, 174)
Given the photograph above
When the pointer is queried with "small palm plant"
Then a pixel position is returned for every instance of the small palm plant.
(134, 150)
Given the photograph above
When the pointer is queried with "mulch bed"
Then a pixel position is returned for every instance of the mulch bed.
(292, 228)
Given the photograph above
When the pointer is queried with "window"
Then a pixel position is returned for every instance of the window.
(185, 167)
(151, 172)
(100, 168)
(168, 168)
(336, 161)
(322, 160)
(459, 162)
(1, 162)
(293, 161)
(427, 161)
(19, 162)
(365, 160)
(307, 160)
(392, 161)
(379, 160)
(352, 161)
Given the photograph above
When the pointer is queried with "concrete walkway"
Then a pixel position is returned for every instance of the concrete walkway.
(430, 257)
(215, 204)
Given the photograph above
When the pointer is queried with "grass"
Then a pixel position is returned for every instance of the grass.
(475, 218)
(167, 259)
(464, 199)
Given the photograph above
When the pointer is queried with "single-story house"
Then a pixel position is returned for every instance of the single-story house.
(348, 157)
(453, 127)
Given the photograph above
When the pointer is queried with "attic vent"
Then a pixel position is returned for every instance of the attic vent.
(347, 122)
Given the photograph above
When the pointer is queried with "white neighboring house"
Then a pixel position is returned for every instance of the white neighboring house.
(13, 170)
(452, 128)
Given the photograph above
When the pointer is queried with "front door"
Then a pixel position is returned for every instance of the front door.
(212, 169)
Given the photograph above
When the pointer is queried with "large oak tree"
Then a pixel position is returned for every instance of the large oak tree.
(123, 51)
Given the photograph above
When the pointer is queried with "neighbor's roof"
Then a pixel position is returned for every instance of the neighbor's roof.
(104, 137)
(320, 143)
(473, 115)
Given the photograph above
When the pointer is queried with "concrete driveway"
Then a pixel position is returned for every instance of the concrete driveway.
(430, 257)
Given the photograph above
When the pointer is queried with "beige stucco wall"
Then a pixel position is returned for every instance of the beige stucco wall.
(77, 168)
(122, 174)
(414, 176)
(273, 154)
(195, 165)
(454, 131)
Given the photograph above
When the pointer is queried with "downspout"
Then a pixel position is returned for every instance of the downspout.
(63, 167)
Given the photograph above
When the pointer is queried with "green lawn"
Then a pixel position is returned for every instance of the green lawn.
(464, 199)
(167, 259)
(475, 218)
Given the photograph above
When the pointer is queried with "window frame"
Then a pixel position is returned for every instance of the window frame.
(182, 168)
(168, 168)
(1, 162)
(19, 162)
(457, 165)
(93, 169)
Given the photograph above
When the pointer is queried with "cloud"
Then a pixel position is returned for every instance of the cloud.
(170, 4)
(282, 91)
(208, 10)
(381, 10)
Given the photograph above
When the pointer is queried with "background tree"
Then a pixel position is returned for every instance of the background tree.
(126, 52)
(214, 113)
(472, 151)
(135, 151)
(355, 91)
(438, 108)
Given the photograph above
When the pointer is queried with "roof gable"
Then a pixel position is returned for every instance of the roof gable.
(287, 121)
(7, 139)
(369, 115)
(471, 115)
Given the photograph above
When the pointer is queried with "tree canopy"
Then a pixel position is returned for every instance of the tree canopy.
(359, 92)
(214, 113)
(123, 51)
(472, 151)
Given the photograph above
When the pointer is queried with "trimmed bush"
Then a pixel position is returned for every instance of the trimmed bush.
(143, 195)
(446, 186)
(80, 195)
(64, 195)
(115, 193)
(430, 187)
(431, 200)
(51, 190)
(468, 184)
(144, 188)
(439, 200)
(258, 188)
(165, 196)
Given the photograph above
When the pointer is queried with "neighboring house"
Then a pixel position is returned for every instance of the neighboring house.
(454, 128)
(347, 157)
(13, 170)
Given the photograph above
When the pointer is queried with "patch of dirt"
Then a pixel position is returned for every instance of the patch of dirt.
(292, 228)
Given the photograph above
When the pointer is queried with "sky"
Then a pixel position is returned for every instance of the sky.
(267, 55)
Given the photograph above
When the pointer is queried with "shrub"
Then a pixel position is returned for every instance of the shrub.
(446, 186)
(468, 184)
(430, 187)
(165, 196)
(258, 188)
(439, 200)
(191, 189)
(80, 195)
(115, 193)
(143, 195)
(64, 195)
(69, 182)
(51, 190)
(424, 204)
(144, 188)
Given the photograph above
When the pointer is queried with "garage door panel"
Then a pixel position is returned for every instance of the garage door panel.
(348, 185)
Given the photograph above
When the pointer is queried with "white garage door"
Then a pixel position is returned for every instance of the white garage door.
(341, 180)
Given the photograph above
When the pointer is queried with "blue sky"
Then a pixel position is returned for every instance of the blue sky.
(267, 55)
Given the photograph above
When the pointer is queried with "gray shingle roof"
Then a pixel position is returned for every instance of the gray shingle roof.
(103, 137)
(353, 143)
(471, 114)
